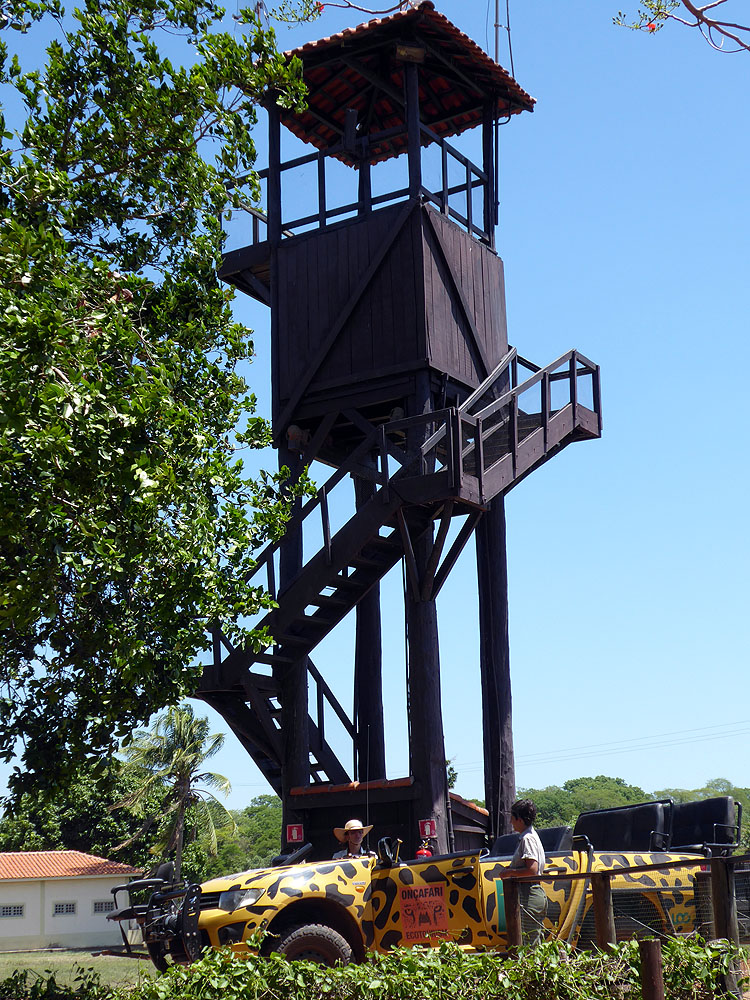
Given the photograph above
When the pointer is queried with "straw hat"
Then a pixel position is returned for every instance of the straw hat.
(340, 832)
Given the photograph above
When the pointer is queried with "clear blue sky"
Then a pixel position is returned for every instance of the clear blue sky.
(625, 231)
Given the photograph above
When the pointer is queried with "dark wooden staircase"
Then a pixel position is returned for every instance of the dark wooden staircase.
(451, 463)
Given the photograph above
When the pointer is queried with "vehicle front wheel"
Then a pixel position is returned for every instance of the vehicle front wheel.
(315, 943)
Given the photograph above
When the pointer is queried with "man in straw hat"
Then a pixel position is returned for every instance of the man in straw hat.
(352, 835)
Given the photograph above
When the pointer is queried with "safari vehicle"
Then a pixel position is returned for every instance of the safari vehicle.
(338, 911)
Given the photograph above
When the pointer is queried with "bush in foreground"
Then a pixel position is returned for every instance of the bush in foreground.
(692, 971)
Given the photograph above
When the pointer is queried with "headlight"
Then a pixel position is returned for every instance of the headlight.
(239, 897)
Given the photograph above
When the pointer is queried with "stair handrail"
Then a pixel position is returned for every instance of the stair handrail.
(587, 368)
(375, 441)
(575, 365)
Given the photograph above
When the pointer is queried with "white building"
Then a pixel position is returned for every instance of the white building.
(58, 899)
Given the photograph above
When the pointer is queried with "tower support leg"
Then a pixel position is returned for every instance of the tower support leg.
(494, 659)
(368, 672)
(426, 742)
(295, 765)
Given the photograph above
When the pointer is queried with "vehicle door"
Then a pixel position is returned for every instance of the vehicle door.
(425, 901)
(565, 897)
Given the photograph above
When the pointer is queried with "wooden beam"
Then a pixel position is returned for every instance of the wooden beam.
(324, 349)
(412, 571)
(437, 550)
(258, 289)
(465, 308)
(455, 551)
(460, 75)
(374, 78)
(367, 427)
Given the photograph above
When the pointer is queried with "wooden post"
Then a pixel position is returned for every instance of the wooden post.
(512, 899)
(425, 716)
(724, 899)
(368, 672)
(652, 975)
(274, 173)
(494, 666)
(725, 912)
(488, 166)
(411, 96)
(426, 741)
(274, 238)
(604, 915)
(292, 677)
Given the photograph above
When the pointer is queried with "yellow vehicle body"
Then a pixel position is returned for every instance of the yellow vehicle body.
(375, 906)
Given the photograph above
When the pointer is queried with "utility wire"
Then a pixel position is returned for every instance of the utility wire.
(635, 745)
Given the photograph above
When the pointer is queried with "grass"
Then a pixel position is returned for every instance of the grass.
(113, 971)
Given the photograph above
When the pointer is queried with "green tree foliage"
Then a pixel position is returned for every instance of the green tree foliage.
(713, 788)
(560, 806)
(254, 842)
(78, 818)
(127, 523)
(173, 789)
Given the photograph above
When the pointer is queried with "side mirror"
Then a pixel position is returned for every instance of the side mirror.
(386, 855)
(388, 851)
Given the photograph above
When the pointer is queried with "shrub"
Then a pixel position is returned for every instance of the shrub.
(551, 972)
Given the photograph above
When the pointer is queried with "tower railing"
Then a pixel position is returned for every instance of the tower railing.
(324, 214)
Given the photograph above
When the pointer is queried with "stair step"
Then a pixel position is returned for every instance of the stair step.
(386, 542)
(273, 659)
(307, 621)
(367, 562)
(329, 601)
(346, 583)
(264, 684)
(292, 640)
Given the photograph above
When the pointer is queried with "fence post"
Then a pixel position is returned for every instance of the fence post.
(512, 913)
(604, 914)
(724, 899)
(652, 975)
(725, 912)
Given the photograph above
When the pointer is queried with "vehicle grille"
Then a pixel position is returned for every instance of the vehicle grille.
(209, 900)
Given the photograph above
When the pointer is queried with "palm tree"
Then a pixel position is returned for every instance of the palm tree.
(170, 758)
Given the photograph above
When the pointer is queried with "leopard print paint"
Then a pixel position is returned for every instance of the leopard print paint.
(447, 898)
(344, 883)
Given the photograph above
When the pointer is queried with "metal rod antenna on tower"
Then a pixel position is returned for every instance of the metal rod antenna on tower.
(497, 31)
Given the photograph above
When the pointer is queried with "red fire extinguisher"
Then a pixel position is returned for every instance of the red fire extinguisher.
(424, 850)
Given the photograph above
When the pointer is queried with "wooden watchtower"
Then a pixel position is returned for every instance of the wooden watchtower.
(390, 364)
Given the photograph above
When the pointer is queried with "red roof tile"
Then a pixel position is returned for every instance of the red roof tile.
(58, 864)
(359, 69)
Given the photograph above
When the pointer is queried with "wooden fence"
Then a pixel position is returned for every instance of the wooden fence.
(723, 898)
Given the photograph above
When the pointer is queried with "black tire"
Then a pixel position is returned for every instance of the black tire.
(315, 943)
(158, 956)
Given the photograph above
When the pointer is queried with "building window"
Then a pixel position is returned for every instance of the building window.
(104, 906)
(64, 909)
(11, 910)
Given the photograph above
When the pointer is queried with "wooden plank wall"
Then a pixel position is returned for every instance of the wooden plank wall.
(479, 272)
(408, 316)
(317, 275)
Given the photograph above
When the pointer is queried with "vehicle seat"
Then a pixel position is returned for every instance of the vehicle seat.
(641, 827)
(505, 845)
(706, 823)
(556, 838)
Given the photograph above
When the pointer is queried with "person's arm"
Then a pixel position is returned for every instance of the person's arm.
(528, 866)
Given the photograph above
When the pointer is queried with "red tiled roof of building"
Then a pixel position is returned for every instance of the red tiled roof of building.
(58, 864)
